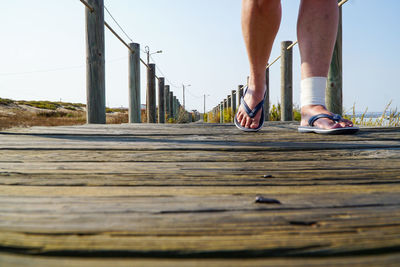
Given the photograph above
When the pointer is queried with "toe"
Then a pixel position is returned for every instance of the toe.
(243, 121)
(336, 125)
(248, 122)
(346, 123)
(253, 125)
(239, 117)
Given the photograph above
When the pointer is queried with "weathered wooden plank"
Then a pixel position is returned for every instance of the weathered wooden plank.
(194, 156)
(175, 191)
(206, 143)
(35, 261)
(204, 173)
(286, 130)
(9, 190)
(264, 245)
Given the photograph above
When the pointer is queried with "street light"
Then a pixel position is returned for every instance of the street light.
(183, 86)
(147, 49)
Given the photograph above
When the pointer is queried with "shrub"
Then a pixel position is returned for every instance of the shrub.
(182, 116)
(56, 114)
(5, 101)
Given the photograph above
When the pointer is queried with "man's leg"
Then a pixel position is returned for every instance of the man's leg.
(316, 29)
(260, 23)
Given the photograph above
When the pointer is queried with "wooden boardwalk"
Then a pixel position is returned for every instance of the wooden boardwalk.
(184, 195)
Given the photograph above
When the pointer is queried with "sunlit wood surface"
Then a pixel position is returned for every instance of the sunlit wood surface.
(169, 195)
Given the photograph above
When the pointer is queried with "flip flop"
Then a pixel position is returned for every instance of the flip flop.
(336, 118)
(251, 113)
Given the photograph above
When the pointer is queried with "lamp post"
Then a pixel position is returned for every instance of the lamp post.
(183, 88)
(147, 49)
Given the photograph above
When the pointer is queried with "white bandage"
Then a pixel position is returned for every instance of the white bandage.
(313, 91)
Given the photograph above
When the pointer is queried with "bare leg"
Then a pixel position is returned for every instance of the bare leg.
(316, 29)
(260, 23)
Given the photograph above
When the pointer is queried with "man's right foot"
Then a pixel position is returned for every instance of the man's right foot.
(252, 98)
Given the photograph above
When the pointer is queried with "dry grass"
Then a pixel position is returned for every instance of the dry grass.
(16, 117)
(389, 118)
(23, 118)
(117, 118)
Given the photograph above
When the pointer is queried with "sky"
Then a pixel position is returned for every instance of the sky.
(42, 50)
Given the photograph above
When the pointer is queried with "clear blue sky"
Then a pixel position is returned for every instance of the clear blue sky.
(42, 49)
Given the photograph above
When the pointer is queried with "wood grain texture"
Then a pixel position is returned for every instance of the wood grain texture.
(334, 88)
(286, 81)
(184, 195)
(134, 84)
(171, 104)
(151, 94)
(161, 100)
(95, 63)
(167, 102)
(266, 103)
(233, 104)
(221, 112)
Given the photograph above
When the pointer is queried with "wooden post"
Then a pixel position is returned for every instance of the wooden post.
(240, 94)
(95, 64)
(134, 83)
(171, 104)
(166, 100)
(221, 112)
(178, 107)
(225, 105)
(151, 94)
(229, 107)
(266, 103)
(334, 97)
(204, 108)
(286, 82)
(161, 100)
(233, 99)
(175, 108)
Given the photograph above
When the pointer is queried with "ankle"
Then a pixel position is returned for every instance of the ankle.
(255, 95)
(257, 83)
(312, 109)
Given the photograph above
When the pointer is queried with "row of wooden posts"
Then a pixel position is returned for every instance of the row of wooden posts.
(168, 104)
(333, 89)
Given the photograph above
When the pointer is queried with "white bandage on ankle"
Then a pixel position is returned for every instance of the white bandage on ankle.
(313, 91)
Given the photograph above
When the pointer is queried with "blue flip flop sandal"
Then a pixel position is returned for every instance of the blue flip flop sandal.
(336, 118)
(251, 113)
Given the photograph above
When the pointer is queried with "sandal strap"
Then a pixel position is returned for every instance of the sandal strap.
(335, 118)
(251, 112)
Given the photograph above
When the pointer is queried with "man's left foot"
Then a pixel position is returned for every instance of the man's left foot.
(323, 123)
